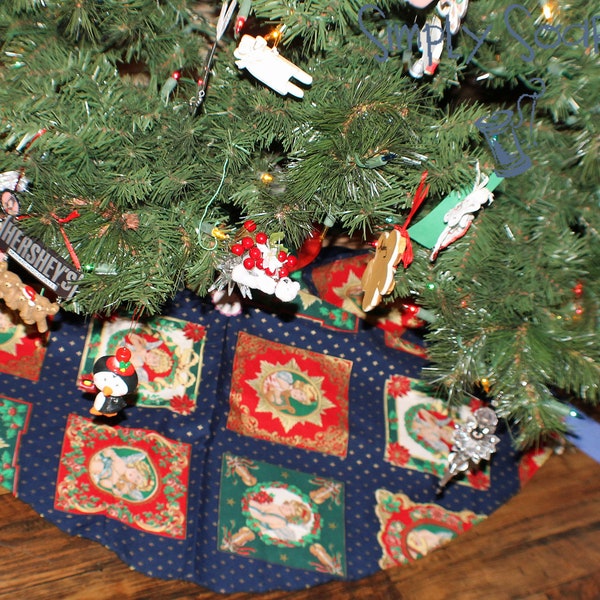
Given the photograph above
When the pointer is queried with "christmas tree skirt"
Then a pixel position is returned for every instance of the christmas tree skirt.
(304, 452)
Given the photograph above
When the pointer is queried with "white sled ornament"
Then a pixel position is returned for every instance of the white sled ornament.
(269, 67)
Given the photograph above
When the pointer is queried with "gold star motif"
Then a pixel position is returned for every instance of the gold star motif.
(289, 395)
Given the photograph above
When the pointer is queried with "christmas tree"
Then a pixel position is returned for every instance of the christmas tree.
(144, 134)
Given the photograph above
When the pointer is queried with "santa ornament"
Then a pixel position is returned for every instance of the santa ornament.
(115, 377)
(431, 47)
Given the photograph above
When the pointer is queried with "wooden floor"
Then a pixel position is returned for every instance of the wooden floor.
(544, 543)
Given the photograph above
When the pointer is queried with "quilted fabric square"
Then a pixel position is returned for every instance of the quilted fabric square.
(328, 315)
(308, 306)
(289, 395)
(22, 347)
(281, 516)
(135, 476)
(338, 282)
(419, 430)
(532, 460)
(409, 530)
(14, 420)
(166, 352)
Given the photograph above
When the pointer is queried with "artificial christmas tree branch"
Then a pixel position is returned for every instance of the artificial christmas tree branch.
(161, 191)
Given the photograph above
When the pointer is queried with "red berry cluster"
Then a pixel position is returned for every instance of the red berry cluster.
(248, 244)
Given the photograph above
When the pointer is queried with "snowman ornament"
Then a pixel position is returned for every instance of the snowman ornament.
(115, 377)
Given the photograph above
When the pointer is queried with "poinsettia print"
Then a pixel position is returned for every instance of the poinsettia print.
(194, 332)
(398, 385)
(184, 405)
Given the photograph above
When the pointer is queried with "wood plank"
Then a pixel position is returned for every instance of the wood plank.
(543, 544)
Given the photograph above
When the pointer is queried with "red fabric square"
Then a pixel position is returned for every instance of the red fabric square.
(135, 476)
(290, 396)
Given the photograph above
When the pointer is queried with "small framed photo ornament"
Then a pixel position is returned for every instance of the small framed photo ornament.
(10, 203)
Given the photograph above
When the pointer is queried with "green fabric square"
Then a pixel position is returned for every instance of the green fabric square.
(14, 419)
(281, 516)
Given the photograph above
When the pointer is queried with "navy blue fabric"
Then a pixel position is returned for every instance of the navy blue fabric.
(197, 558)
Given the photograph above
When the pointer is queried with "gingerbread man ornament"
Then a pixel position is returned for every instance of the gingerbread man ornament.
(33, 308)
(378, 279)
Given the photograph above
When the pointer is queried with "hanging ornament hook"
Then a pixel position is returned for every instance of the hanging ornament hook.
(197, 101)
